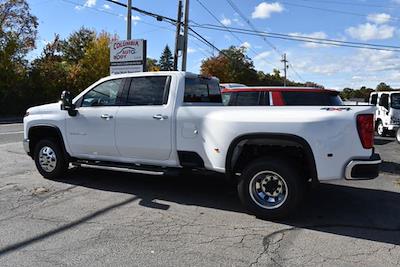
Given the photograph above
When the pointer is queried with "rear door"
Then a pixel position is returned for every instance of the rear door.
(144, 124)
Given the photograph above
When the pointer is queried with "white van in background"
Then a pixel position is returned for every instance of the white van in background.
(387, 117)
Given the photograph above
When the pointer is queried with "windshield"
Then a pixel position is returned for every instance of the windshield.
(395, 99)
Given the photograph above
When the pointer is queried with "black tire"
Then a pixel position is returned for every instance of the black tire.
(56, 170)
(294, 182)
(398, 135)
(383, 132)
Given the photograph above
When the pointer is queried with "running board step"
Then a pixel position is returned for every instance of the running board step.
(124, 167)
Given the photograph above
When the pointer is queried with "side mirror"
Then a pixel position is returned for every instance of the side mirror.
(66, 103)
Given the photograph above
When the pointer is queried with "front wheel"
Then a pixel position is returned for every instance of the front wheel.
(49, 159)
(398, 135)
(380, 129)
(271, 188)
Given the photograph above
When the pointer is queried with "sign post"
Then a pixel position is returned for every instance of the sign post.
(128, 56)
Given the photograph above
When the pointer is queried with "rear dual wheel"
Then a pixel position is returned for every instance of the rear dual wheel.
(271, 188)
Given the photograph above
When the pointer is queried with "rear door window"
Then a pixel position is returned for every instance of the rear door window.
(202, 90)
(148, 90)
(311, 99)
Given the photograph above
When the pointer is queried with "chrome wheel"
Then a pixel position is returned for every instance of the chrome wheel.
(47, 159)
(268, 190)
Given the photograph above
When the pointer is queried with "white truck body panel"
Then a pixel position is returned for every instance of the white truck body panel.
(132, 135)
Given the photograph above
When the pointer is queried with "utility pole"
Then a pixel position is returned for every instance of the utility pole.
(129, 21)
(285, 67)
(185, 36)
(178, 39)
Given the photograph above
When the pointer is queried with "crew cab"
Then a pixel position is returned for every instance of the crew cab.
(280, 96)
(388, 111)
(155, 122)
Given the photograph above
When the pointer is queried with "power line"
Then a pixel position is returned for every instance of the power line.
(276, 50)
(346, 3)
(239, 12)
(100, 10)
(333, 10)
(234, 35)
(306, 39)
(296, 73)
(171, 21)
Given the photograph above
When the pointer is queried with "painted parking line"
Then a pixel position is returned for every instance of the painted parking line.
(12, 133)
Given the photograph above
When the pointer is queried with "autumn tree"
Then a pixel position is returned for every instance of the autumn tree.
(231, 65)
(152, 64)
(166, 60)
(93, 65)
(18, 31)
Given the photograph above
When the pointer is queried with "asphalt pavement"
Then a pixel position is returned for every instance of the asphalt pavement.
(101, 218)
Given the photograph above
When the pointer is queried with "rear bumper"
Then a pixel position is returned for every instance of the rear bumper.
(363, 169)
(393, 127)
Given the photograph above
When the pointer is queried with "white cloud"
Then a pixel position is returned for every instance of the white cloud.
(379, 18)
(105, 6)
(134, 18)
(246, 45)
(226, 21)
(262, 56)
(191, 50)
(370, 31)
(238, 22)
(264, 10)
(79, 8)
(319, 35)
(90, 3)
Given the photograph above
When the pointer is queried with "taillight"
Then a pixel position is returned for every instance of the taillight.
(365, 127)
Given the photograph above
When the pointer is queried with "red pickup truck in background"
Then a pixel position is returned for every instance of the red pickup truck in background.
(280, 96)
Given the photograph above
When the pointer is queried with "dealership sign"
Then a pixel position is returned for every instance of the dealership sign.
(128, 56)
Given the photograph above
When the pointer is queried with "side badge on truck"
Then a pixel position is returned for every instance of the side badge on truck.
(336, 109)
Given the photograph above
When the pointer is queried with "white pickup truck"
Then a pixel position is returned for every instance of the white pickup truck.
(161, 121)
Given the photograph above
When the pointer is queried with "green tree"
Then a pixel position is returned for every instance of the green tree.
(49, 74)
(73, 48)
(166, 60)
(18, 31)
(383, 87)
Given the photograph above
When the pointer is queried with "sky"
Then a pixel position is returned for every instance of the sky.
(367, 21)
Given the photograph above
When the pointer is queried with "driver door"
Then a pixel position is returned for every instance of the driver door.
(91, 133)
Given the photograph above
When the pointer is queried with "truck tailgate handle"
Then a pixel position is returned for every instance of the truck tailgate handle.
(160, 117)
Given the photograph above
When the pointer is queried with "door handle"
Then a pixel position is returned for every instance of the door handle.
(160, 117)
(106, 116)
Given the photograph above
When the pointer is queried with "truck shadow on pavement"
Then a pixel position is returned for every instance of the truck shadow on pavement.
(354, 212)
